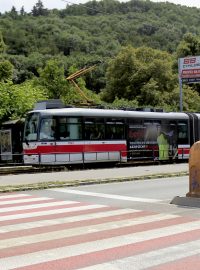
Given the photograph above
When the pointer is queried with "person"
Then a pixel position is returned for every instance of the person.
(96, 135)
(163, 146)
(65, 135)
(46, 133)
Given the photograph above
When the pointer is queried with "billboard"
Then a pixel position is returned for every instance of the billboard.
(6, 144)
(189, 69)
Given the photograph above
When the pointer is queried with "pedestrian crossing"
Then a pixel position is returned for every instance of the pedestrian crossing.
(39, 233)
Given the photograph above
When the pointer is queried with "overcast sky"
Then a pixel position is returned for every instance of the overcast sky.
(6, 5)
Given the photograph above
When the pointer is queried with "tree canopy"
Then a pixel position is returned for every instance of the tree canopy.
(135, 46)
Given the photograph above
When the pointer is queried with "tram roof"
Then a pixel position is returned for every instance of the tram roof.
(111, 113)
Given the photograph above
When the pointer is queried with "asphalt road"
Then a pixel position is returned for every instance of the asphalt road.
(118, 226)
(149, 194)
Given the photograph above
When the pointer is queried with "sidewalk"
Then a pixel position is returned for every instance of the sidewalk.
(72, 178)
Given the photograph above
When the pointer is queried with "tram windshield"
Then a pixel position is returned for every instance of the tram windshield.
(31, 127)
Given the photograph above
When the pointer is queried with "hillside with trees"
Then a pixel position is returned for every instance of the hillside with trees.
(135, 46)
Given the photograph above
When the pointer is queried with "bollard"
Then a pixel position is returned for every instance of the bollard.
(194, 171)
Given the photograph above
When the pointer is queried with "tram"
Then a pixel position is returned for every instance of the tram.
(63, 136)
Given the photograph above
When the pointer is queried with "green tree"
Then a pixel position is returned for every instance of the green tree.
(13, 13)
(119, 75)
(39, 10)
(141, 74)
(16, 100)
(24, 96)
(188, 46)
(52, 78)
(191, 100)
(2, 44)
(22, 11)
(5, 94)
(6, 71)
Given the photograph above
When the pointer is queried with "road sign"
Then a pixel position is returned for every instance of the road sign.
(189, 69)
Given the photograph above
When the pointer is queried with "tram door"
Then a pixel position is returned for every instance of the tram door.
(47, 145)
(173, 140)
(135, 139)
(193, 128)
(167, 140)
(185, 135)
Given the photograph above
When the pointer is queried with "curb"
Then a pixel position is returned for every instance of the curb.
(186, 201)
(57, 184)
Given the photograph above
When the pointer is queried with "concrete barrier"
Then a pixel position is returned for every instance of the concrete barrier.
(192, 198)
(194, 171)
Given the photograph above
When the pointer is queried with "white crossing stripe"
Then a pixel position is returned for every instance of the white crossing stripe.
(14, 196)
(50, 212)
(30, 207)
(25, 200)
(108, 196)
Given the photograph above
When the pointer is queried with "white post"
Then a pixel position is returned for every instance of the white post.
(180, 87)
(181, 94)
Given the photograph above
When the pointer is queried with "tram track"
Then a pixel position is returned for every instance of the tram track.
(21, 169)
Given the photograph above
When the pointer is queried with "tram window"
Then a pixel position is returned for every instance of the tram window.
(69, 128)
(151, 131)
(31, 127)
(47, 129)
(136, 133)
(173, 131)
(115, 129)
(119, 131)
(94, 129)
(182, 133)
(132, 121)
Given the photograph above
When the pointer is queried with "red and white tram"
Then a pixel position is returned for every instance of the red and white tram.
(84, 135)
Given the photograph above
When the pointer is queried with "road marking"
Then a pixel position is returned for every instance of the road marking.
(27, 200)
(108, 196)
(12, 196)
(154, 258)
(114, 245)
(48, 212)
(35, 206)
(69, 232)
(105, 214)
(94, 237)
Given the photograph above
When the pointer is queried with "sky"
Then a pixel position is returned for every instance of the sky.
(6, 5)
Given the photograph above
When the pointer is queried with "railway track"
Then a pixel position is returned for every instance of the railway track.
(20, 169)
